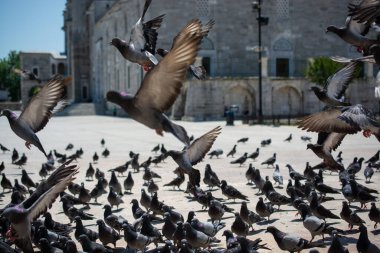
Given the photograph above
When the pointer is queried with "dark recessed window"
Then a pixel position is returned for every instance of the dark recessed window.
(206, 63)
(84, 92)
(53, 69)
(35, 71)
(282, 67)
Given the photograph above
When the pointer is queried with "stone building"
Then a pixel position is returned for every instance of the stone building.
(295, 34)
(44, 65)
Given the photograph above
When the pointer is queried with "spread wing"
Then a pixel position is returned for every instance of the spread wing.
(337, 84)
(163, 83)
(199, 148)
(359, 116)
(330, 141)
(327, 121)
(368, 11)
(40, 108)
(47, 199)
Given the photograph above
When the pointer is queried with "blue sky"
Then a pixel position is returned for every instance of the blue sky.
(31, 25)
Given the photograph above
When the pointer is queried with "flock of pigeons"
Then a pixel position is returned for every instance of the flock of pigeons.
(156, 223)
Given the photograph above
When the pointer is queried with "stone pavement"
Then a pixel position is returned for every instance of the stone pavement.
(123, 135)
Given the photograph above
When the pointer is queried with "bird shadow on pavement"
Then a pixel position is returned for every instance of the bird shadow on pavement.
(376, 232)
(118, 210)
(345, 240)
(352, 231)
(95, 204)
(256, 231)
(128, 193)
(174, 190)
(266, 222)
(233, 203)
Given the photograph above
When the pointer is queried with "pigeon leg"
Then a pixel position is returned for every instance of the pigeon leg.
(367, 133)
(28, 144)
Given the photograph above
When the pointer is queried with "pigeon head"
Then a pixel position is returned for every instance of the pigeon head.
(107, 207)
(116, 42)
(134, 201)
(227, 233)
(333, 29)
(271, 229)
(9, 114)
(70, 246)
(100, 222)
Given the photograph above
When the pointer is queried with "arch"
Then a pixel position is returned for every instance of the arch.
(207, 44)
(61, 68)
(241, 96)
(286, 101)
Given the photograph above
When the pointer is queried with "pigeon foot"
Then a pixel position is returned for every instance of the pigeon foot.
(28, 144)
(367, 133)
(159, 132)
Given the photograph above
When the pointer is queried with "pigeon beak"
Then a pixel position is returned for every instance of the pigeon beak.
(111, 43)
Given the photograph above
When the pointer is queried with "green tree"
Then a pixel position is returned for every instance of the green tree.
(319, 69)
(9, 80)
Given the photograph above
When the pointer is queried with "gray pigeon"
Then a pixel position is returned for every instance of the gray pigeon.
(129, 183)
(142, 43)
(113, 198)
(194, 154)
(336, 246)
(81, 230)
(42, 198)
(249, 216)
(231, 192)
(350, 216)
(255, 154)
(209, 228)
(150, 102)
(277, 177)
(210, 177)
(37, 112)
(368, 173)
(288, 242)
(89, 246)
(136, 240)
(264, 209)
(239, 226)
(198, 239)
(270, 160)
(106, 234)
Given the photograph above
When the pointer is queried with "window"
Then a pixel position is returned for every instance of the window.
(53, 69)
(206, 63)
(84, 92)
(282, 9)
(61, 68)
(203, 8)
(282, 67)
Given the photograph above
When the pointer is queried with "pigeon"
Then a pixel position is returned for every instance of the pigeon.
(15, 155)
(95, 158)
(114, 183)
(318, 210)
(243, 140)
(46, 247)
(216, 210)
(258, 180)
(113, 198)
(145, 200)
(179, 234)
(3, 148)
(22, 161)
(274, 197)
(374, 158)
(374, 214)
(255, 154)
(174, 215)
(5, 183)
(129, 183)
(122, 168)
(20, 188)
(277, 177)
(176, 182)
(288, 242)
(169, 227)
(81, 230)
(231, 192)
(355, 166)
(198, 72)
(69, 146)
(156, 148)
(169, 75)
(90, 172)
(248, 245)
(315, 225)
(55, 226)
(142, 43)
(294, 174)
(353, 33)
(216, 152)
(115, 222)
(29, 75)
(149, 230)
(250, 174)
(74, 212)
(264, 209)
(270, 161)
(266, 142)
(333, 92)
(45, 194)
(360, 194)
(324, 188)
(107, 234)
(91, 246)
(84, 194)
(37, 112)
(98, 190)
(241, 160)
(152, 187)
(136, 210)
(363, 245)
(289, 138)
(156, 205)
(194, 154)
(248, 216)
(343, 120)
(209, 228)
(105, 153)
(336, 246)
(135, 163)
(368, 173)
(43, 171)
(239, 226)
(211, 178)
(306, 138)
(136, 240)
(232, 152)
(350, 216)
(198, 239)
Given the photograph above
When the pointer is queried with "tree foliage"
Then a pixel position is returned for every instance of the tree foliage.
(319, 69)
(9, 80)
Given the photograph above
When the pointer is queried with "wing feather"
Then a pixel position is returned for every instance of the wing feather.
(40, 108)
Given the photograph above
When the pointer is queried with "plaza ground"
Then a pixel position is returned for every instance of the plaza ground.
(123, 135)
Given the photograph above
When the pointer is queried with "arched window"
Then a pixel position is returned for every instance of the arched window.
(61, 68)
(282, 9)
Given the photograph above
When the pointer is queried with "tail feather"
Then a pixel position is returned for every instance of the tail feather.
(177, 130)
(198, 72)
(146, 6)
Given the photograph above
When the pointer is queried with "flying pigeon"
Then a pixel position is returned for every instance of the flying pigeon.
(162, 85)
(142, 43)
(27, 74)
(38, 111)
